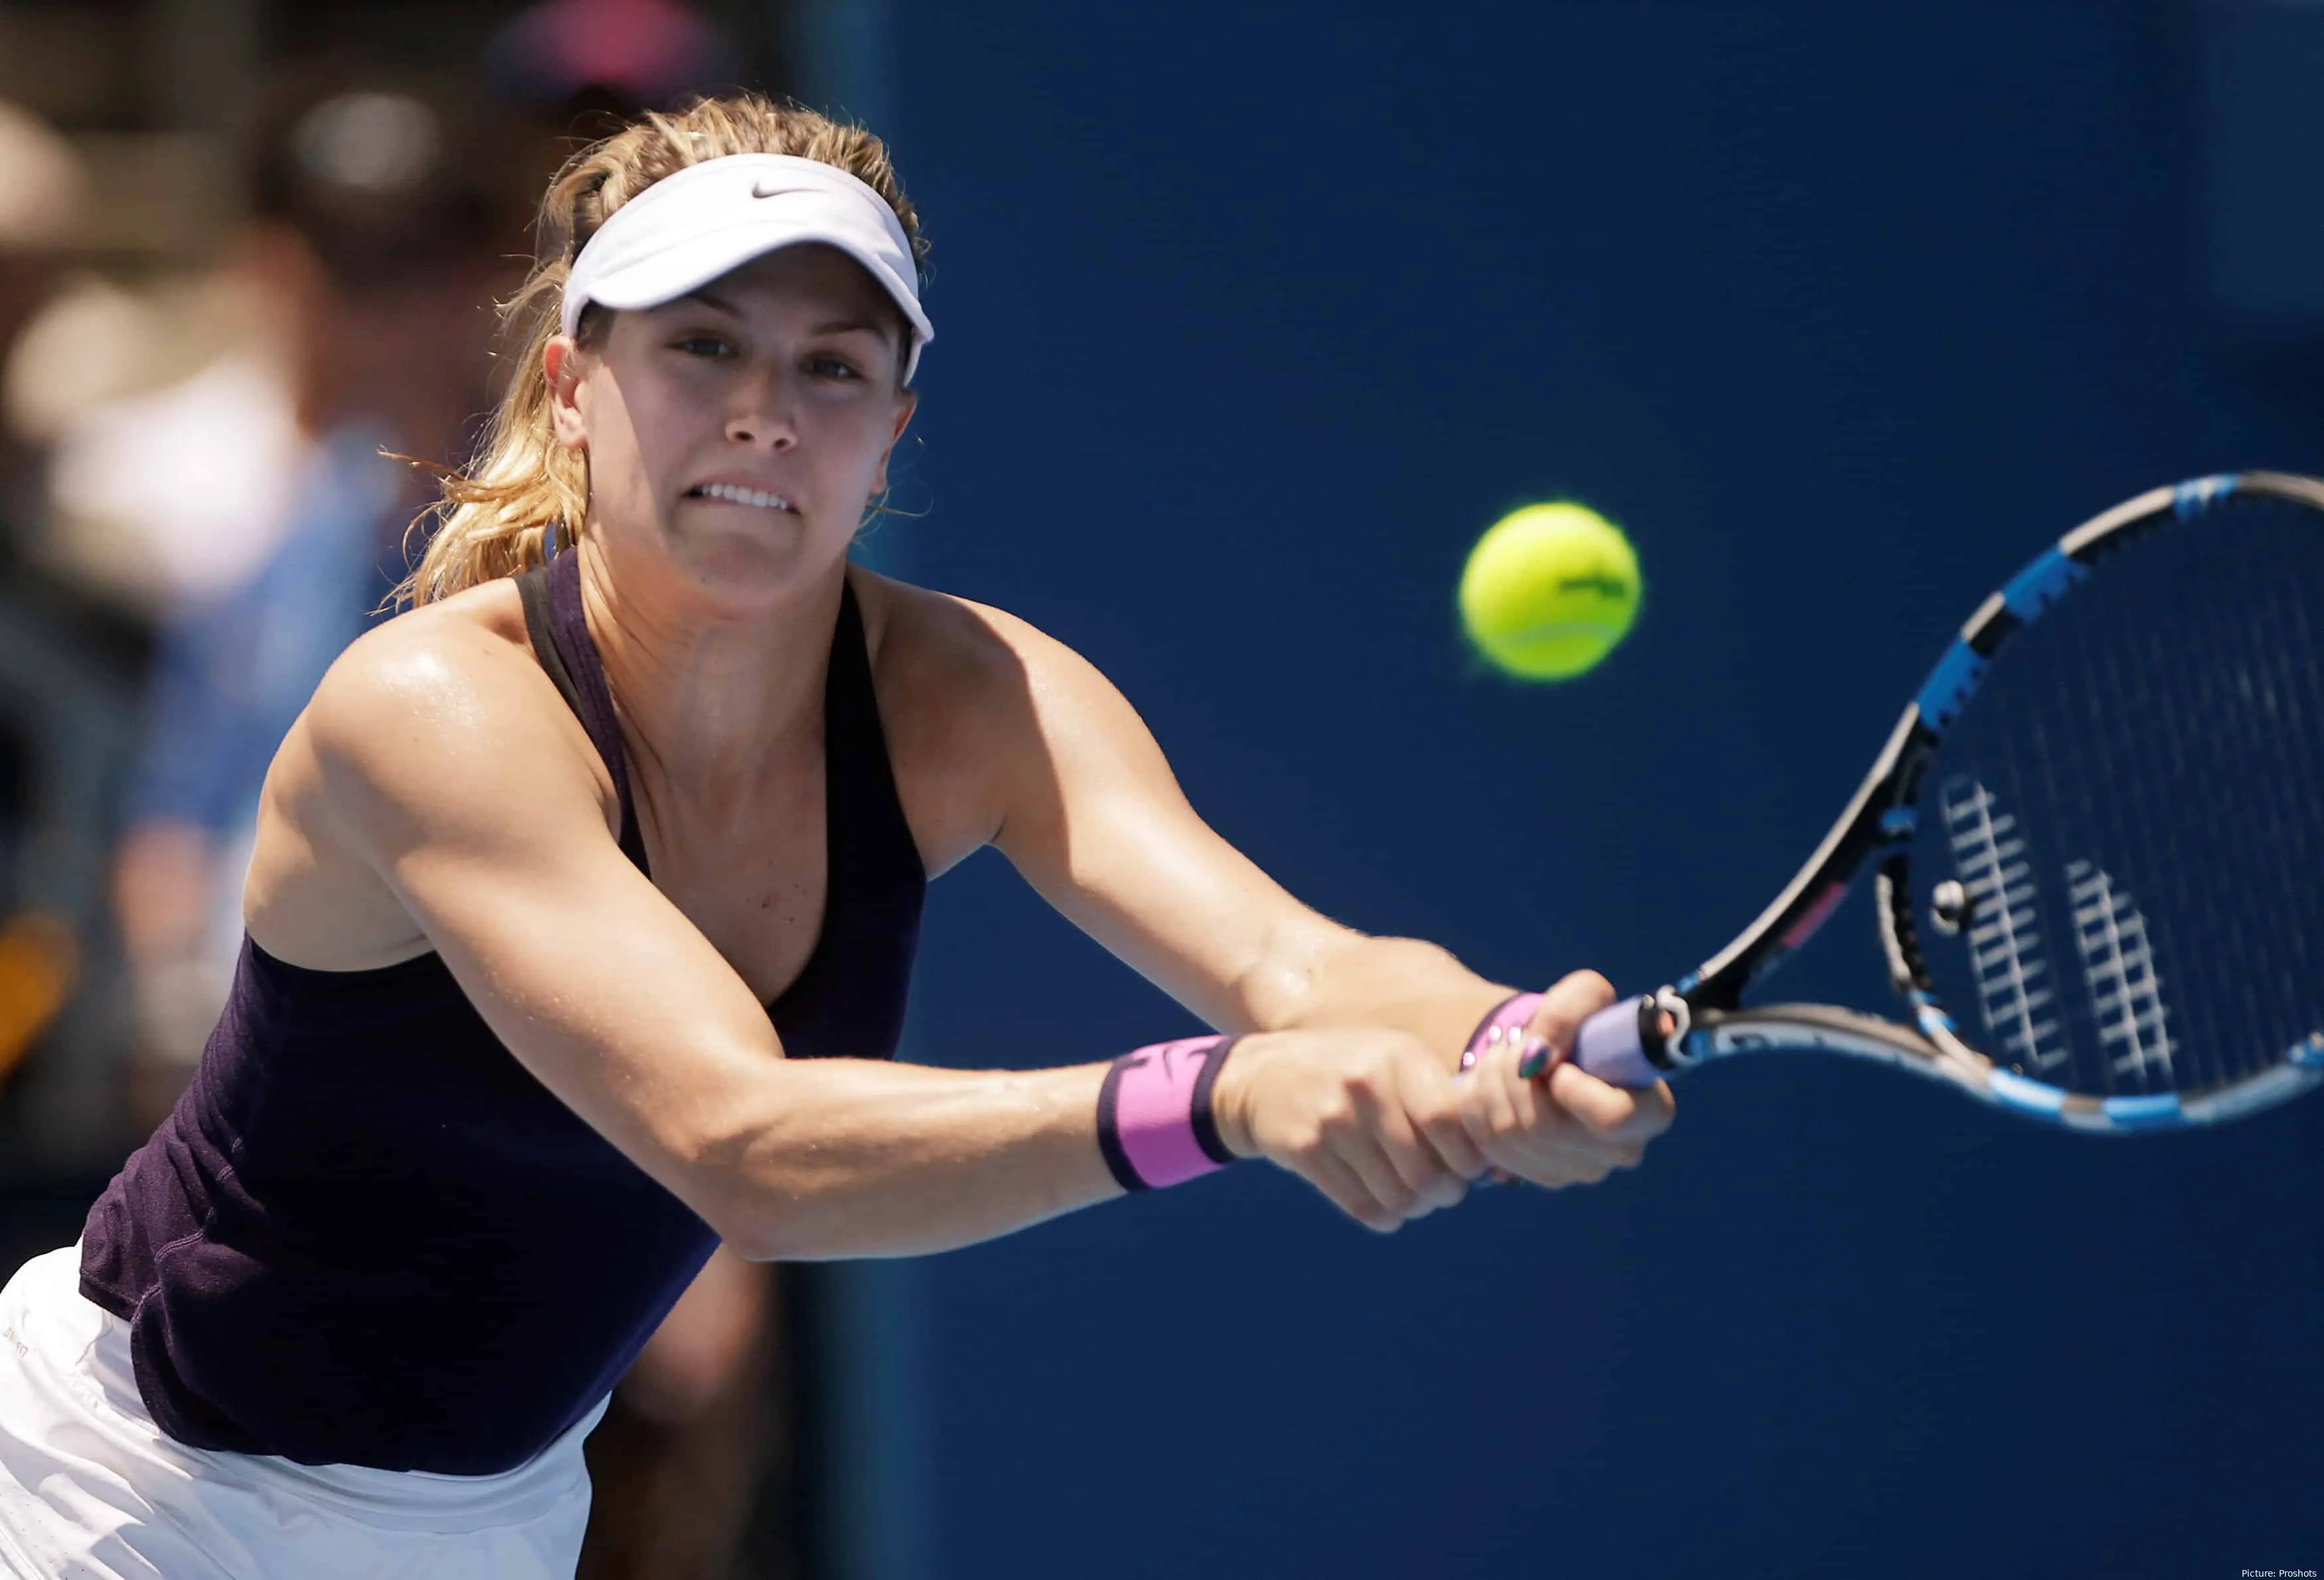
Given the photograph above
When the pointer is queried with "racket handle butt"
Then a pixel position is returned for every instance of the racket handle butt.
(1611, 1043)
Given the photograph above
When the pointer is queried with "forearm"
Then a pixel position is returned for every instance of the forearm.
(1406, 984)
(850, 1158)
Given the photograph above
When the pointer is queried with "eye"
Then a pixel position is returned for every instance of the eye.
(716, 346)
(834, 367)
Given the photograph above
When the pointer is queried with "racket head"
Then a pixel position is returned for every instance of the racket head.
(2114, 877)
(2098, 831)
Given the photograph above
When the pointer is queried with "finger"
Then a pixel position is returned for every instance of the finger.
(1414, 1162)
(1572, 1170)
(1489, 1098)
(1616, 1112)
(1541, 1141)
(1433, 1098)
(1359, 1148)
(1550, 1147)
(1519, 1130)
(1591, 1159)
(1570, 1001)
(1454, 1147)
(1346, 1190)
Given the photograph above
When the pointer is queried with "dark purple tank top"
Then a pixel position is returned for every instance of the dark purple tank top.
(367, 1235)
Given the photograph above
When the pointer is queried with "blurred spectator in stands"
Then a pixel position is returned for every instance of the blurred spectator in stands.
(564, 73)
(165, 419)
(43, 195)
(373, 242)
(583, 67)
(174, 440)
(64, 693)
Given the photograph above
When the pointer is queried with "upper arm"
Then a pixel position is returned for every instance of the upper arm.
(1091, 815)
(444, 762)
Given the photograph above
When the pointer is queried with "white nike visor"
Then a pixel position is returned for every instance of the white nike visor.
(687, 229)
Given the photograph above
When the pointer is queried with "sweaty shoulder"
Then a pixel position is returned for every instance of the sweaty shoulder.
(435, 731)
(970, 698)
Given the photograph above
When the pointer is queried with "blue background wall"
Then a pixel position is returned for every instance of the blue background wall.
(1251, 316)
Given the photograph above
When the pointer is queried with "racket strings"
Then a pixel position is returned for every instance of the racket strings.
(2129, 801)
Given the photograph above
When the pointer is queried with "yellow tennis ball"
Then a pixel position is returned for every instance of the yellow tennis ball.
(1548, 591)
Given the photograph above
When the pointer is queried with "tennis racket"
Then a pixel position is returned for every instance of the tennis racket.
(2096, 837)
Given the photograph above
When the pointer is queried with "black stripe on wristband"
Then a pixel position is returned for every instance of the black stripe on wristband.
(1206, 1127)
(1109, 1129)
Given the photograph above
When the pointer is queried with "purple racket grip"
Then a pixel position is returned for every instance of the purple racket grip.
(1609, 1046)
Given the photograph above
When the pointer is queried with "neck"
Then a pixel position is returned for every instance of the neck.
(710, 700)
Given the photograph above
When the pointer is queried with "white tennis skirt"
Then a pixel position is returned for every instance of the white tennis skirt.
(90, 1489)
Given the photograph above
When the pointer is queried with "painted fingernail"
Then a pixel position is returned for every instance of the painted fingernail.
(1535, 1059)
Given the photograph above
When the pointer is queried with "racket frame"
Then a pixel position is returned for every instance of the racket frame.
(1700, 1016)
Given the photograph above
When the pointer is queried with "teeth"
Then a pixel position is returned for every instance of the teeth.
(735, 495)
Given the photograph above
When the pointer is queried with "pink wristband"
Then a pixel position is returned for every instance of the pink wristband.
(1153, 1122)
(1506, 1023)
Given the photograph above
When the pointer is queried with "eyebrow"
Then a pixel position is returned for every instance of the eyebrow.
(886, 332)
(849, 325)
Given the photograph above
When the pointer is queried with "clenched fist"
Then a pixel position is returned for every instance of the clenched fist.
(1379, 1122)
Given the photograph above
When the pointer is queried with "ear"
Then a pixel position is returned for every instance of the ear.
(562, 364)
(907, 402)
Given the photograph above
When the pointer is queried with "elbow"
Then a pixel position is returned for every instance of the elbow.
(725, 1174)
(787, 1236)
(757, 1227)
(766, 1174)
(763, 1211)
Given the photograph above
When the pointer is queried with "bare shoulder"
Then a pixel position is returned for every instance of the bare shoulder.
(956, 650)
(437, 729)
(969, 695)
(449, 686)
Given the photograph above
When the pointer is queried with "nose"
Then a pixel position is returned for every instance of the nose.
(761, 416)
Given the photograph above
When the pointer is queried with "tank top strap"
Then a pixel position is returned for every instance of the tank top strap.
(553, 619)
(870, 841)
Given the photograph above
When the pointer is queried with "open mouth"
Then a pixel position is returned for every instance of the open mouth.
(736, 494)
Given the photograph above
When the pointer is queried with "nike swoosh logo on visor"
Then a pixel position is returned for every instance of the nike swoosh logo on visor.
(759, 191)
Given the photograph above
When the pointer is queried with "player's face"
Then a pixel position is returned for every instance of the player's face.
(740, 431)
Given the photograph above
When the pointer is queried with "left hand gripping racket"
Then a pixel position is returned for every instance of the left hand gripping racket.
(2096, 838)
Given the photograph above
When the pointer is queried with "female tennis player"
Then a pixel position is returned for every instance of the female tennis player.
(580, 919)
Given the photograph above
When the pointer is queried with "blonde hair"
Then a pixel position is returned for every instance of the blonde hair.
(500, 515)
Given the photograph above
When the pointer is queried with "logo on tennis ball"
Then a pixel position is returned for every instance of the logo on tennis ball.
(1548, 591)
